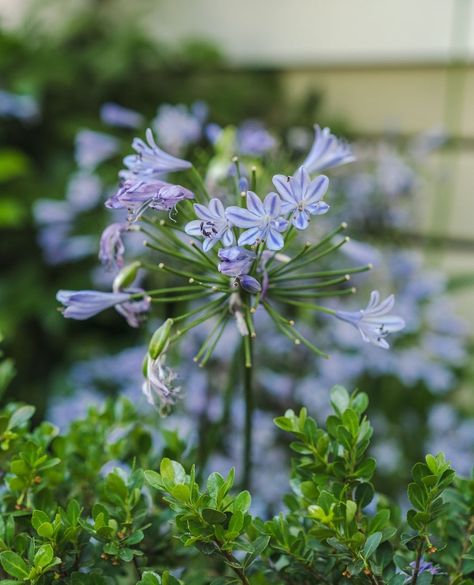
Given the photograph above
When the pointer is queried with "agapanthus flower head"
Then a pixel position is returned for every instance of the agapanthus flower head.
(92, 148)
(116, 115)
(235, 261)
(112, 248)
(374, 323)
(262, 221)
(151, 160)
(213, 225)
(301, 196)
(327, 151)
(159, 386)
(177, 126)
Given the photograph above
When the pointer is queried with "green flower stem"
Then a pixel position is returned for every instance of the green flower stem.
(253, 179)
(208, 340)
(310, 258)
(249, 409)
(324, 284)
(173, 253)
(198, 321)
(189, 275)
(310, 249)
(283, 295)
(202, 195)
(208, 306)
(197, 249)
(322, 274)
(190, 297)
(291, 332)
(309, 306)
(212, 346)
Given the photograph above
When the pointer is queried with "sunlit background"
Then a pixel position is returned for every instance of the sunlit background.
(379, 72)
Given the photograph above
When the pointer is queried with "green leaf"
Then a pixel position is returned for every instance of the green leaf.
(371, 544)
(172, 471)
(14, 565)
(417, 496)
(213, 516)
(153, 479)
(351, 509)
(242, 502)
(45, 530)
(149, 578)
(351, 422)
(43, 556)
(20, 416)
(340, 399)
(379, 521)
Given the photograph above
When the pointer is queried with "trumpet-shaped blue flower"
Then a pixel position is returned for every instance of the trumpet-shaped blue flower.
(327, 151)
(302, 196)
(374, 323)
(84, 304)
(262, 221)
(212, 224)
(235, 261)
(151, 160)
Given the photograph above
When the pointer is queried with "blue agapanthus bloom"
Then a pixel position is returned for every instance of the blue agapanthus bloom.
(213, 225)
(262, 221)
(301, 196)
(80, 305)
(374, 323)
(327, 151)
(150, 160)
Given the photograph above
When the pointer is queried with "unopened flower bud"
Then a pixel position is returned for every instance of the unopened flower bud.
(250, 284)
(160, 339)
(126, 276)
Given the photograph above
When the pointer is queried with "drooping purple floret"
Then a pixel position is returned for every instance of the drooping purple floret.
(112, 248)
(139, 195)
